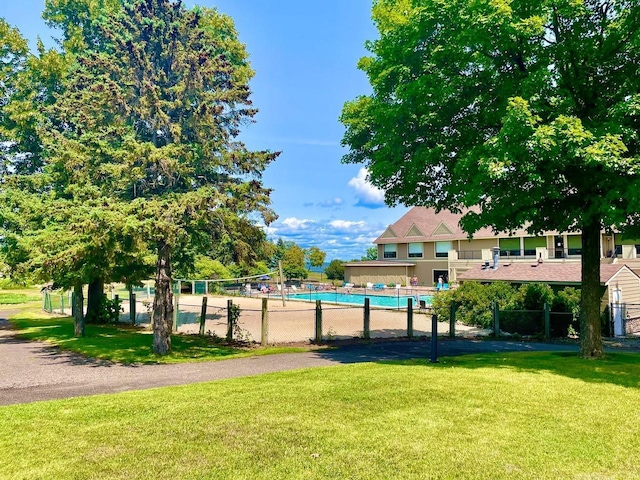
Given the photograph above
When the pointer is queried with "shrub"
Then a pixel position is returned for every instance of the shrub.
(108, 312)
(533, 296)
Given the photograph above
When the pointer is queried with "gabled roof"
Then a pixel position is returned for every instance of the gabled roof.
(554, 273)
(433, 227)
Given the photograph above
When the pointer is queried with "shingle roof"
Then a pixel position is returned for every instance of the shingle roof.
(562, 273)
(421, 224)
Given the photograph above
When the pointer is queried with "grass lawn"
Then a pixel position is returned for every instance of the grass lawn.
(492, 416)
(127, 344)
(13, 298)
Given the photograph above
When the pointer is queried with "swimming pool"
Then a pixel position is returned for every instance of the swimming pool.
(388, 301)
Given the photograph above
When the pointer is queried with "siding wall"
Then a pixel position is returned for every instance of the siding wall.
(628, 284)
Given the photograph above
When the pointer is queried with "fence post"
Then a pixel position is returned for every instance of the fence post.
(203, 315)
(73, 304)
(116, 298)
(62, 303)
(496, 319)
(132, 306)
(229, 321)
(452, 319)
(176, 308)
(264, 340)
(410, 317)
(434, 339)
(367, 319)
(318, 321)
(547, 321)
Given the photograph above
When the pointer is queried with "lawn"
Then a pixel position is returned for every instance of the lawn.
(492, 416)
(127, 344)
(13, 298)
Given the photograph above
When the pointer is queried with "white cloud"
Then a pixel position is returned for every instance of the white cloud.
(339, 238)
(348, 226)
(297, 224)
(368, 195)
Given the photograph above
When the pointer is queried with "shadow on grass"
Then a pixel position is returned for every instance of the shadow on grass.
(104, 345)
(617, 368)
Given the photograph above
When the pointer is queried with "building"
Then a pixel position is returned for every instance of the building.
(429, 245)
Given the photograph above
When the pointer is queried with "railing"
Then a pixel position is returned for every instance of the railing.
(469, 254)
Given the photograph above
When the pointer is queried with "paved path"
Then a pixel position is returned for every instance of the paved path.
(34, 371)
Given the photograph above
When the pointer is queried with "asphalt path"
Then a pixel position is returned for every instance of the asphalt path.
(35, 371)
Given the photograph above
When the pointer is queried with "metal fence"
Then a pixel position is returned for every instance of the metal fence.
(267, 321)
(541, 323)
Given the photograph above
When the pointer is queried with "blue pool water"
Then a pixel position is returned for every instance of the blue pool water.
(358, 299)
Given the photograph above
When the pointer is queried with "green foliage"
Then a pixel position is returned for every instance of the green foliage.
(335, 270)
(293, 263)
(372, 254)
(108, 312)
(533, 296)
(474, 301)
(314, 257)
(208, 268)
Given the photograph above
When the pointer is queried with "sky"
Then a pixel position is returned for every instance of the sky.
(305, 56)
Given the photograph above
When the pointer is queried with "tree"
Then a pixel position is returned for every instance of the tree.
(335, 270)
(527, 109)
(372, 254)
(178, 86)
(315, 258)
(293, 262)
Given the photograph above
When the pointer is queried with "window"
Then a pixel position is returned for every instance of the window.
(531, 243)
(442, 249)
(574, 244)
(509, 247)
(390, 250)
(415, 250)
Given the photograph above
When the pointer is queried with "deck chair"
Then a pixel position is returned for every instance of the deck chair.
(369, 285)
(294, 288)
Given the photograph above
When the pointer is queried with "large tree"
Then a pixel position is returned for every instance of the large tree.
(529, 109)
(170, 86)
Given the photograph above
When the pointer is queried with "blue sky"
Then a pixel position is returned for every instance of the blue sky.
(305, 55)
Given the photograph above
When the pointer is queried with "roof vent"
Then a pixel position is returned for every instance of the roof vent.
(496, 257)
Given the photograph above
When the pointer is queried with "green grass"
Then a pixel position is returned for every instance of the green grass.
(495, 416)
(127, 344)
(18, 298)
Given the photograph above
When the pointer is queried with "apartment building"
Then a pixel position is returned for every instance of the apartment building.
(427, 245)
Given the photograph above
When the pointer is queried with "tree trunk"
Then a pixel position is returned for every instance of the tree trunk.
(94, 297)
(78, 311)
(163, 302)
(591, 293)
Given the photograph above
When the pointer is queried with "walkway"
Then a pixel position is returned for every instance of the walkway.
(35, 371)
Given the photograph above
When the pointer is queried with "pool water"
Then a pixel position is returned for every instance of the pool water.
(358, 299)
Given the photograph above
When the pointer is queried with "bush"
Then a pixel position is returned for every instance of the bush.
(108, 312)
(475, 301)
(335, 270)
